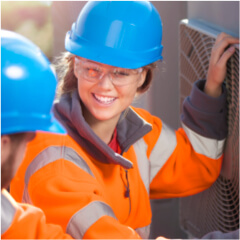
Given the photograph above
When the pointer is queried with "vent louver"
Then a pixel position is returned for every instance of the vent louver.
(217, 208)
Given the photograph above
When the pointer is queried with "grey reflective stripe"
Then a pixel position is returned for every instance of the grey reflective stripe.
(84, 218)
(144, 232)
(211, 148)
(7, 213)
(162, 150)
(26, 198)
(50, 155)
(140, 148)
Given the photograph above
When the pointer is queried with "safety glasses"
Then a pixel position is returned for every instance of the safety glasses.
(93, 72)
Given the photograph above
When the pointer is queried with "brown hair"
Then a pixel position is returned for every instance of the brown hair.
(68, 82)
(17, 137)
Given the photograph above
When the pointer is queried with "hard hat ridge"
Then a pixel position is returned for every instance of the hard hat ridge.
(120, 33)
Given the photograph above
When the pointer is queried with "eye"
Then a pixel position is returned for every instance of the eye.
(92, 72)
(121, 73)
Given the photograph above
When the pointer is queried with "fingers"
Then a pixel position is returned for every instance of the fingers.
(222, 50)
(226, 55)
(224, 35)
(220, 37)
(222, 42)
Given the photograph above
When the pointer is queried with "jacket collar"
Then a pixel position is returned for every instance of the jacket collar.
(131, 127)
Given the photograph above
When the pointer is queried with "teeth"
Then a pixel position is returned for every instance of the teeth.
(104, 99)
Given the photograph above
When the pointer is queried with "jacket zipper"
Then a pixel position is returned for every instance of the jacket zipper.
(127, 192)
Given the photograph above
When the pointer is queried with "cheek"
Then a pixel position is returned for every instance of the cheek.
(127, 94)
(133, 89)
(82, 88)
(83, 85)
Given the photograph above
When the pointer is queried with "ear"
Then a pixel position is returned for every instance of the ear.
(142, 79)
(5, 148)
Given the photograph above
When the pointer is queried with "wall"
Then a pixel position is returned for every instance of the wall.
(222, 13)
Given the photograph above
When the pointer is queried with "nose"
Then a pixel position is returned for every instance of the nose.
(106, 81)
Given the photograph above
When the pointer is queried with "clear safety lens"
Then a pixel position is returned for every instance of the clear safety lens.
(94, 72)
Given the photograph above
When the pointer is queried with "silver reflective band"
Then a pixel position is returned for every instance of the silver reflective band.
(84, 218)
(50, 155)
(162, 150)
(211, 148)
(7, 213)
(26, 198)
(144, 232)
(140, 148)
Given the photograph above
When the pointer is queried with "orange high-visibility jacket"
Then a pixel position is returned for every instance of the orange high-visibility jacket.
(93, 192)
(22, 221)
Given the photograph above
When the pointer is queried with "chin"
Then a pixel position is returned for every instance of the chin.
(105, 117)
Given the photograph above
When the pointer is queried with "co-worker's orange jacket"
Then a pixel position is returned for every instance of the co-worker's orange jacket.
(93, 192)
(22, 221)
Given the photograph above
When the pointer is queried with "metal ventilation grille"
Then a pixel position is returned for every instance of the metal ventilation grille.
(217, 208)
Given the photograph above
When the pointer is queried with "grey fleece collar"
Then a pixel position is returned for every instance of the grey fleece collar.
(130, 128)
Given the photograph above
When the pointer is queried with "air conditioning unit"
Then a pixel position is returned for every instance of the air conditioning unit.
(217, 208)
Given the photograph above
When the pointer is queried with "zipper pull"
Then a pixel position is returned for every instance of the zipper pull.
(127, 192)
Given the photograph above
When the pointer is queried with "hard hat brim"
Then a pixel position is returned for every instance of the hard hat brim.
(9, 126)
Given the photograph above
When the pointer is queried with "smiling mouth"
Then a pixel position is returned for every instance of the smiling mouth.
(104, 100)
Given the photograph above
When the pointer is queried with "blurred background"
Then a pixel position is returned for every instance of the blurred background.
(46, 23)
(31, 19)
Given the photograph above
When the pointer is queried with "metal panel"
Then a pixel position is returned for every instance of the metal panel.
(217, 208)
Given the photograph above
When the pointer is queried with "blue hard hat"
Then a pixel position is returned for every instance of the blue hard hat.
(28, 85)
(125, 34)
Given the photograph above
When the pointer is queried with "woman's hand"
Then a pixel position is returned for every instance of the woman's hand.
(222, 50)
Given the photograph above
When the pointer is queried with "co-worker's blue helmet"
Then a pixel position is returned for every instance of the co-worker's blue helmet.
(125, 34)
(28, 86)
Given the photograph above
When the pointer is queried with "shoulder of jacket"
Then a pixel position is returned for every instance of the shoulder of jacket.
(142, 113)
(48, 139)
(147, 116)
(44, 140)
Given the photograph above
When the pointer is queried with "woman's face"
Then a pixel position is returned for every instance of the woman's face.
(106, 91)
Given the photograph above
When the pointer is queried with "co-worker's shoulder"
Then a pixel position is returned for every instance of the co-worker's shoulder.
(45, 140)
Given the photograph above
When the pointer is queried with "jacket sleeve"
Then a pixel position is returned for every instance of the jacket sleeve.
(22, 221)
(188, 161)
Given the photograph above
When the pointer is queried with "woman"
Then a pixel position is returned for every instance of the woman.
(96, 181)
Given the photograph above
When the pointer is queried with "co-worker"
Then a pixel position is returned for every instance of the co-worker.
(96, 182)
(24, 109)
